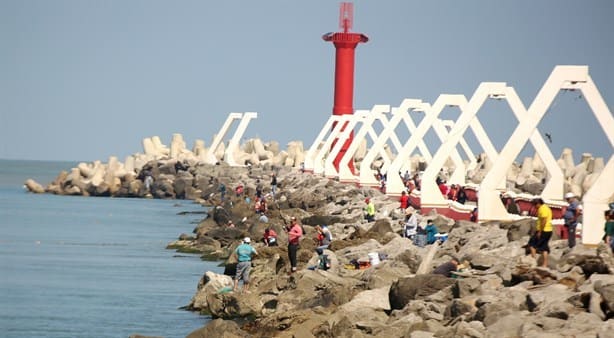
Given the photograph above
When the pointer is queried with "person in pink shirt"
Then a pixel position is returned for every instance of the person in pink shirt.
(294, 235)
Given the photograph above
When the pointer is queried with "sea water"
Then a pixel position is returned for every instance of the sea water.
(92, 267)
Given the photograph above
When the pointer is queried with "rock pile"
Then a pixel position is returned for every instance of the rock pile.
(502, 294)
(127, 179)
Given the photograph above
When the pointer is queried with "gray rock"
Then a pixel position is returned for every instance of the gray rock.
(409, 288)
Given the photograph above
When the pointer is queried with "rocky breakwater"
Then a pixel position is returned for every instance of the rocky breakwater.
(174, 171)
(502, 293)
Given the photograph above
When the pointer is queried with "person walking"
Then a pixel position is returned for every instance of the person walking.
(294, 235)
(244, 253)
(571, 215)
(543, 233)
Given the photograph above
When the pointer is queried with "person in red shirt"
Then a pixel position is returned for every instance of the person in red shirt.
(404, 200)
(453, 193)
(270, 237)
(294, 235)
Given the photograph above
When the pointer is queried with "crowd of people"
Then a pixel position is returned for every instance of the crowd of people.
(537, 246)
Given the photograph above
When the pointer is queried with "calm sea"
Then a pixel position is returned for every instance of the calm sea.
(92, 267)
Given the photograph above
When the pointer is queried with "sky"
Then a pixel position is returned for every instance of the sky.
(85, 80)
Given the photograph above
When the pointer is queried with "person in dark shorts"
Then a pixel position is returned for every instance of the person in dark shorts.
(543, 231)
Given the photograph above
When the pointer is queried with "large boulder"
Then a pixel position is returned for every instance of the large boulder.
(407, 289)
(218, 328)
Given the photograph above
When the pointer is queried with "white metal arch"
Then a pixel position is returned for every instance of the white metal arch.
(401, 113)
(595, 199)
(367, 118)
(233, 145)
(313, 150)
(394, 184)
(210, 155)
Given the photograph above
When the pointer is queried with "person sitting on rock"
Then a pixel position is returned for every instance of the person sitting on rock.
(447, 268)
(431, 230)
(239, 189)
(263, 206)
(257, 205)
(324, 236)
(410, 225)
(270, 237)
(263, 218)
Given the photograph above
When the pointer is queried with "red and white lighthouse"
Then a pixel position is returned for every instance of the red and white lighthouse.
(345, 44)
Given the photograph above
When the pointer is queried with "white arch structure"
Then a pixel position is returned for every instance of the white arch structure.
(210, 155)
(333, 139)
(596, 198)
(313, 151)
(431, 197)
(378, 112)
(399, 114)
(233, 145)
(448, 124)
(395, 185)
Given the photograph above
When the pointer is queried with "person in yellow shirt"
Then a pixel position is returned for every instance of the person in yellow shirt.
(543, 231)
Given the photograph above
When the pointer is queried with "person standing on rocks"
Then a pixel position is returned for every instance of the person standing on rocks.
(244, 254)
(543, 233)
(370, 210)
(273, 184)
(294, 235)
(404, 200)
(609, 228)
(571, 215)
(258, 188)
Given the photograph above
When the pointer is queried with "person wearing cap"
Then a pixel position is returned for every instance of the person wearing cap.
(571, 218)
(410, 226)
(244, 253)
(543, 227)
(369, 210)
(294, 235)
(324, 236)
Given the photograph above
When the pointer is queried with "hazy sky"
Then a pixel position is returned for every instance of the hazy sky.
(83, 80)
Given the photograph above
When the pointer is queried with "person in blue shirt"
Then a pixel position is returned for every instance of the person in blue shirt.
(431, 231)
(244, 253)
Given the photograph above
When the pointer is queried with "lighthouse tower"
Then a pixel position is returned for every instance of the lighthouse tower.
(345, 44)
